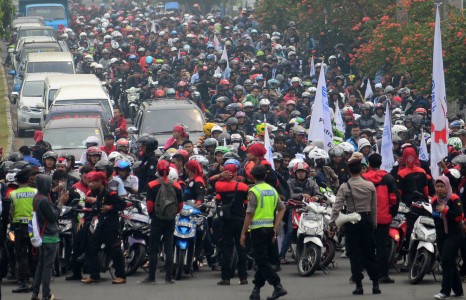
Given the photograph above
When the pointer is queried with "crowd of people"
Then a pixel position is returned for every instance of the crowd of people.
(266, 85)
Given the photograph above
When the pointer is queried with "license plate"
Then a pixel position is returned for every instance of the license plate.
(140, 217)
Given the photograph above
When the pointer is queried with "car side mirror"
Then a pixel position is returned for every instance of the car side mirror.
(11, 50)
(133, 130)
(12, 72)
(14, 97)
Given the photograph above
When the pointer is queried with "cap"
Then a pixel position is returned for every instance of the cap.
(356, 157)
(378, 86)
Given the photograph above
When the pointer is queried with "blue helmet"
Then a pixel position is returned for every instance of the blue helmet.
(133, 57)
(232, 161)
(174, 32)
(123, 164)
(149, 59)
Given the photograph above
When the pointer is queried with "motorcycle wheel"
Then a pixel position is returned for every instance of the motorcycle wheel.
(134, 258)
(420, 266)
(393, 254)
(330, 248)
(180, 263)
(309, 259)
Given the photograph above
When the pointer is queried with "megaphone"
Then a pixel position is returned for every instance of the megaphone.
(345, 218)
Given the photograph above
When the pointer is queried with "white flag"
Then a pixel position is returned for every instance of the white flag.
(312, 72)
(217, 45)
(423, 153)
(386, 149)
(268, 145)
(153, 27)
(439, 135)
(339, 124)
(369, 91)
(226, 72)
(321, 125)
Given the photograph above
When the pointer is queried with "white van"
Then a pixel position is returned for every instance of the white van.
(52, 62)
(84, 94)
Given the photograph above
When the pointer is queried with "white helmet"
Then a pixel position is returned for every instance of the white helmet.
(113, 60)
(92, 140)
(173, 174)
(295, 79)
(312, 90)
(293, 162)
(308, 149)
(107, 16)
(331, 57)
(115, 156)
(107, 37)
(248, 104)
(363, 143)
(216, 128)
(455, 173)
(397, 129)
(347, 147)
(82, 34)
(93, 64)
(264, 102)
(98, 66)
(318, 153)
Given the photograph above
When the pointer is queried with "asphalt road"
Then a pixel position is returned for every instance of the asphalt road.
(333, 285)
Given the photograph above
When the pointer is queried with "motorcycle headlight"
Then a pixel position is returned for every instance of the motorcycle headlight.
(420, 234)
(185, 212)
(25, 108)
(310, 230)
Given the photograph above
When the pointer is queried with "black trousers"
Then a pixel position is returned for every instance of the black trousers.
(262, 249)
(451, 279)
(360, 247)
(231, 232)
(113, 246)
(80, 243)
(158, 229)
(382, 240)
(23, 253)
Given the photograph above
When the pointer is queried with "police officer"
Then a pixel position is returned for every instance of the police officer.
(260, 215)
(359, 196)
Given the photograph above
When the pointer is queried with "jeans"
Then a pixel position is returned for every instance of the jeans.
(47, 253)
(231, 232)
(23, 253)
(158, 229)
(360, 247)
(262, 248)
(112, 246)
(288, 232)
(451, 279)
(382, 240)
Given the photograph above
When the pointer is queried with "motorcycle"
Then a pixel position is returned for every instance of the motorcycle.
(67, 230)
(135, 235)
(188, 239)
(397, 232)
(422, 253)
(132, 97)
(308, 220)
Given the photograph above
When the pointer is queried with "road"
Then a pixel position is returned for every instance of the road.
(333, 285)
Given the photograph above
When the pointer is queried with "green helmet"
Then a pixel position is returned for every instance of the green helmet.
(221, 149)
(455, 142)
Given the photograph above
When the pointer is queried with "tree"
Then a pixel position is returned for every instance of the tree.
(7, 14)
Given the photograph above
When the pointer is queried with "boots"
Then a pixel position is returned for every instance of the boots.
(278, 292)
(359, 290)
(255, 295)
(375, 287)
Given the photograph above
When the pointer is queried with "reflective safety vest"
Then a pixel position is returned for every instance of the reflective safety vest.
(22, 199)
(267, 200)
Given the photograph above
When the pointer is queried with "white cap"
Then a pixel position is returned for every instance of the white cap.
(378, 85)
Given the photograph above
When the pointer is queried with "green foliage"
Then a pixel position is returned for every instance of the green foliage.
(7, 14)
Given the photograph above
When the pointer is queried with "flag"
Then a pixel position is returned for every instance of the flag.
(268, 145)
(226, 73)
(386, 149)
(312, 72)
(217, 46)
(369, 91)
(423, 153)
(439, 134)
(321, 125)
(179, 53)
(339, 124)
(153, 27)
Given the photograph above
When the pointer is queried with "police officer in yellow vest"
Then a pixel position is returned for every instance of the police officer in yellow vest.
(21, 210)
(262, 220)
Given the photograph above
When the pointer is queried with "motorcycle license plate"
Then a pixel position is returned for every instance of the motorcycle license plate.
(311, 217)
(140, 217)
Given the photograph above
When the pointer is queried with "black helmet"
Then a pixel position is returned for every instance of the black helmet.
(24, 171)
(232, 121)
(230, 155)
(49, 154)
(224, 136)
(15, 156)
(149, 140)
(233, 106)
(105, 166)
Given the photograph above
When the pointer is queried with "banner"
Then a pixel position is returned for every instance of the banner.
(386, 149)
(153, 27)
(217, 45)
(339, 124)
(439, 135)
(226, 72)
(268, 145)
(369, 91)
(423, 153)
(321, 125)
(312, 71)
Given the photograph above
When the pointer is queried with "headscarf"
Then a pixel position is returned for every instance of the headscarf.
(410, 158)
(194, 166)
(257, 150)
(97, 176)
(182, 130)
(444, 179)
(233, 169)
(38, 136)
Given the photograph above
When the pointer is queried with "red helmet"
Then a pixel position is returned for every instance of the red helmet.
(420, 110)
(94, 150)
(163, 167)
(159, 93)
(122, 143)
(182, 83)
(224, 82)
(301, 166)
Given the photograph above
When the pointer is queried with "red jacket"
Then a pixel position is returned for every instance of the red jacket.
(385, 188)
(107, 150)
(120, 122)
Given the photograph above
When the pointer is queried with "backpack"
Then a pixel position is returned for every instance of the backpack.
(35, 234)
(165, 206)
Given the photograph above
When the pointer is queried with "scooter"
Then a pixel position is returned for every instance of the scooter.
(422, 253)
(132, 96)
(67, 230)
(397, 232)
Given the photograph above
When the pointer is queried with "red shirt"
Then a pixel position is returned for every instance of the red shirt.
(108, 150)
(80, 186)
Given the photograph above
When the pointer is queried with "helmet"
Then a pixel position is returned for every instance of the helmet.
(248, 82)
(94, 150)
(404, 91)
(299, 130)
(105, 166)
(363, 143)
(122, 143)
(455, 142)
(236, 138)
(336, 151)
(170, 92)
(232, 121)
(91, 141)
(123, 164)
(148, 140)
(397, 129)
(173, 174)
(195, 94)
(295, 79)
(301, 166)
(347, 147)
(204, 162)
(249, 104)
(221, 99)
(277, 156)
(292, 163)
(49, 154)
(115, 156)
(224, 136)
(149, 59)
(221, 149)
(230, 155)
(318, 153)
(366, 106)
(389, 89)
(207, 128)
(306, 95)
(233, 106)
(456, 123)
(420, 110)
(216, 128)
(163, 166)
(240, 114)
(238, 88)
(98, 66)
(15, 156)
(133, 57)
(232, 161)
(264, 102)
(210, 142)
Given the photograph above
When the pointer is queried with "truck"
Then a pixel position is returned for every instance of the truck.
(55, 12)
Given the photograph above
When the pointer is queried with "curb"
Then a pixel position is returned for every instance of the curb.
(8, 115)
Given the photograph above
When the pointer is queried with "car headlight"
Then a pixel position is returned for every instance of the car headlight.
(25, 108)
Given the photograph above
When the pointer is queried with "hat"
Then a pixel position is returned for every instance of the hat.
(356, 157)
(378, 86)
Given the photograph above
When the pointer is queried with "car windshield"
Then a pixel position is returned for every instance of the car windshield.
(35, 32)
(49, 13)
(70, 138)
(50, 67)
(163, 121)
(104, 102)
(33, 89)
(42, 48)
